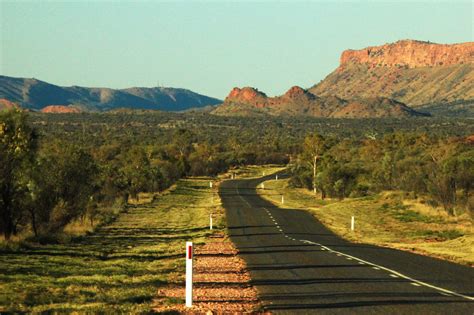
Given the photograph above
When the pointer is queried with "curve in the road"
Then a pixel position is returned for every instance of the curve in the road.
(297, 264)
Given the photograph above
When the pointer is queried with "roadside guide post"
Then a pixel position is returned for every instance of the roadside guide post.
(282, 199)
(189, 274)
(352, 223)
(210, 221)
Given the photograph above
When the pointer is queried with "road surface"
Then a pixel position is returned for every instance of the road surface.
(299, 266)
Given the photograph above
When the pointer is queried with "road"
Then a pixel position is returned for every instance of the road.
(299, 266)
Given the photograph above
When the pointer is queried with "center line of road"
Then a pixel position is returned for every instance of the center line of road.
(394, 273)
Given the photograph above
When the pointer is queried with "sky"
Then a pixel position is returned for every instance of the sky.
(209, 47)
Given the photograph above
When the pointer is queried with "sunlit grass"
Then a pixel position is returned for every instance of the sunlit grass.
(119, 267)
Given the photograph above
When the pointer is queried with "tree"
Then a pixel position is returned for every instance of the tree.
(313, 147)
(17, 148)
(65, 182)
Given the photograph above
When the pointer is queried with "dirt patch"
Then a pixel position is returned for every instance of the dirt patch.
(221, 283)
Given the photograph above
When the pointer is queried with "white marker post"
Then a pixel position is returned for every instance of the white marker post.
(263, 186)
(282, 199)
(210, 184)
(352, 223)
(276, 177)
(263, 173)
(210, 221)
(189, 274)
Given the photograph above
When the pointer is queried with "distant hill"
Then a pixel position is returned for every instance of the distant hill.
(296, 101)
(416, 73)
(36, 94)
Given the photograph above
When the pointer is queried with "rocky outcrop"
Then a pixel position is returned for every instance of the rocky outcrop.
(6, 104)
(297, 101)
(60, 109)
(247, 95)
(411, 54)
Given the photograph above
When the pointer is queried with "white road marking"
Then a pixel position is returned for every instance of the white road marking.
(238, 193)
(361, 263)
(393, 272)
(393, 276)
(416, 284)
(376, 268)
(421, 283)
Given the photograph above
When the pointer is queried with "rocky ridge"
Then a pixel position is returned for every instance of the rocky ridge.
(411, 54)
(300, 102)
(412, 72)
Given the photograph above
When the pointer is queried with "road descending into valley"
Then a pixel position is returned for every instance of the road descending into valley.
(298, 265)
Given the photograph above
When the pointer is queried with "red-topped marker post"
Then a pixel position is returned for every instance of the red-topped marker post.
(189, 274)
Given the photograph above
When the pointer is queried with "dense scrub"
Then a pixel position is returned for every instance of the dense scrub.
(442, 168)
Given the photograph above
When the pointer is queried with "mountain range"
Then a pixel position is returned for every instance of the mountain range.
(405, 78)
(38, 95)
(401, 79)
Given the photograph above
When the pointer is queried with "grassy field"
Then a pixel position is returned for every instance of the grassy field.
(388, 219)
(117, 268)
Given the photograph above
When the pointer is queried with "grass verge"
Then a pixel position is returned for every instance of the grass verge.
(120, 266)
(387, 219)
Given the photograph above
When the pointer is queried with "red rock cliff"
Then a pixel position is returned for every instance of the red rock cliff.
(411, 53)
(60, 109)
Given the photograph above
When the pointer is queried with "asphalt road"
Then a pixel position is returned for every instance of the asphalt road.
(299, 266)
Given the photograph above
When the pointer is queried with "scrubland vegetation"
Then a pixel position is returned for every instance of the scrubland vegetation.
(94, 208)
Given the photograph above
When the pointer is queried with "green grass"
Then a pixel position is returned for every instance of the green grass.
(438, 235)
(119, 267)
(386, 219)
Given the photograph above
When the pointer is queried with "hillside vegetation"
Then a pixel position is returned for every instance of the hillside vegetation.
(414, 87)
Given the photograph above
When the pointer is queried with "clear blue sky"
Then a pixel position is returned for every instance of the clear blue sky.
(209, 47)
